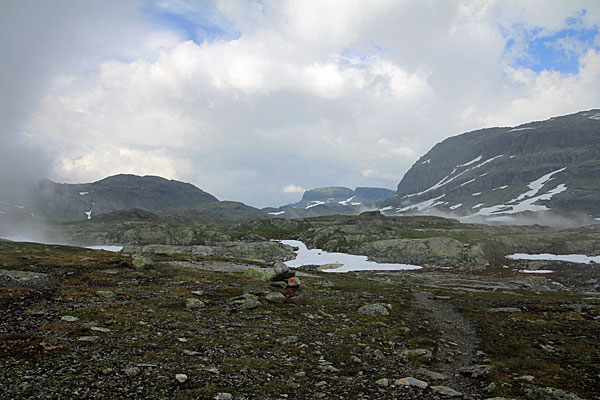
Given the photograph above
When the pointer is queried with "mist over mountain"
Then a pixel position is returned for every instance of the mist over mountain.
(498, 173)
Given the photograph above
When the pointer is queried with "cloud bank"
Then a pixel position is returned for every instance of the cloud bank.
(244, 98)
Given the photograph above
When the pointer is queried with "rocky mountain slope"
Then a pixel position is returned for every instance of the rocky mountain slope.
(332, 200)
(121, 196)
(496, 173)
(119, 192)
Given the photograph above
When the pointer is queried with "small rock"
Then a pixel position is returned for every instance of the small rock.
(298, 299)
(247, 304)
(142, 261)
(281, 272)
(105, 293)
(378, 354)
(193, 303)
(527, 378)
(421, 354)
(445, 391)
(300, 374)
(223, 396)
(432, 375)
(69, 318)
(131, 371)
(197, 292)
(374, 309)
(288, 340)
(275, 297)
(550, 393)
(477, 371)
(410, 381)
(88, 338)
(100, 329)
(356, 359)
(293, 282)
(505, 309)
(383, 382)
(191, 352)
(181, 378)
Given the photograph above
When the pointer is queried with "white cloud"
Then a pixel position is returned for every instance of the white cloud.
(293, 189)
(334, 93)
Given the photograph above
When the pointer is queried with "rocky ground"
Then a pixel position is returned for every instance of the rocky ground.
(79, 323)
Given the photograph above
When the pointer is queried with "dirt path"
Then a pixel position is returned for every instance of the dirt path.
(458, 340)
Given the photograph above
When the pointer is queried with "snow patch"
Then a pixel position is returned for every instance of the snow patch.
(390, 207)
(314, 204)
(345, 202)
(428, 161)
(574, 258)
(114, 249)
(536, 185)
(277, 213)
(501, 187)
(520, 129)
(454, 207)
(424, 205)
(467, 182)
(595, 116)
(478, 205)
(349, 262)
(537, 271)
(473, 161)
(476, 194)
(83, 193)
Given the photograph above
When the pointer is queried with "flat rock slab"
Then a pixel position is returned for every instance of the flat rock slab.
(446, 391)
(21, 275)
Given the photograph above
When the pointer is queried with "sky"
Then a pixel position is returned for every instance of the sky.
(256, 101)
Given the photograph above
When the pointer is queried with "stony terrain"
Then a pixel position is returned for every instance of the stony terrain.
(80, 323)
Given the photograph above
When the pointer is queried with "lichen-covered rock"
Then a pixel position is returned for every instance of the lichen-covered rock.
(193, 303)
(275, 297)
(142, 261)
(374, 309)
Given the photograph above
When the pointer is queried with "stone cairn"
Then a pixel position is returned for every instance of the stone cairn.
(287, 285)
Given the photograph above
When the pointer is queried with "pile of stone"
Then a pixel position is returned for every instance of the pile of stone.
(285, 286)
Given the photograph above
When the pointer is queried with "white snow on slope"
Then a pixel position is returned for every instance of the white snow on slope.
(520, 129)
(449, 178)
(454, 207)
(314, 203)
(536, 185)
(386, 208)
(574, 258)
(276, 213)
(473, 161)
(428, 161)
(424, 205)
(467, 182)
(595, 116)
(83, 193)
(476, 194)
(345, 202)
(478, 205)
(501, 187)
(349, 262)
(525, 205)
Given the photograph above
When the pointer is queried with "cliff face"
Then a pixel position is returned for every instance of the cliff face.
(538, 166)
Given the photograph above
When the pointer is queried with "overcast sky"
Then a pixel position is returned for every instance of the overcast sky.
(256, 100)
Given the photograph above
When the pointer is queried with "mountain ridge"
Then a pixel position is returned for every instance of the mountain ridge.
(495, 172)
